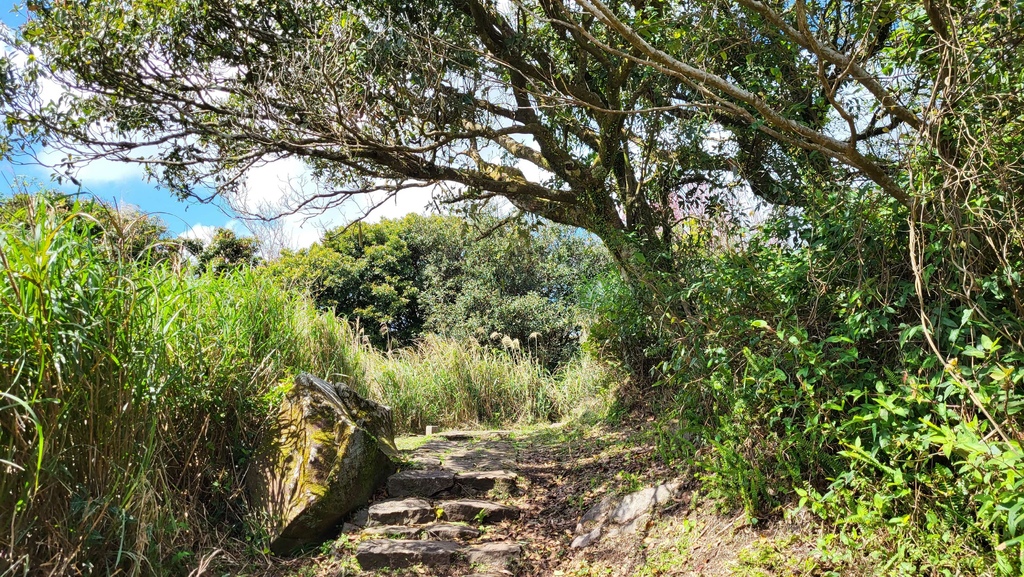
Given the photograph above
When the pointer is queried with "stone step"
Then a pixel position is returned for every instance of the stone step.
(396, 554)
(437, 531)
(448, 532)
(393, 531)
(420, 482)
(401, 512)
(430, 482)
(470, 435)
(499, 555)
(401, 553)
(415, 511)
(477, 511)
(484, 481)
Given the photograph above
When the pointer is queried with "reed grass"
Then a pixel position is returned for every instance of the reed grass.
(451, 383)
(131, 395)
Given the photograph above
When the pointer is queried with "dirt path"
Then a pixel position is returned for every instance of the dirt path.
(495, 503)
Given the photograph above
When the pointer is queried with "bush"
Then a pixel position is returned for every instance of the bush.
(801, 376)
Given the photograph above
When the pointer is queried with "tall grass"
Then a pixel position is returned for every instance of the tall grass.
(132, 393)
(460, 383)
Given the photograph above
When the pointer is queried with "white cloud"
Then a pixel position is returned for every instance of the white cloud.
(269, 189)
(203, 232)
(94, 172)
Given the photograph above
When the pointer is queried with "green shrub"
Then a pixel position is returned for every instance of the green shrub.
(801, 376)
(403, 279)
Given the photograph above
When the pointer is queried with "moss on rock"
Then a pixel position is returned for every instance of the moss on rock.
(323, 457)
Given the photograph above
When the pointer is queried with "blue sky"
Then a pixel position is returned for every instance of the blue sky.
(123, 183)
(114, 182)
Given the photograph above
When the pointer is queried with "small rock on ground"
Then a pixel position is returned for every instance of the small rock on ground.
(586, 538)
(636, 504)
(360, 517)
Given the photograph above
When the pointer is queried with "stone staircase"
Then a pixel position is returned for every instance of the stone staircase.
(444, 511)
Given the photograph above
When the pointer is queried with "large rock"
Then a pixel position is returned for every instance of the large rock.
(327, 452)
(613, 517)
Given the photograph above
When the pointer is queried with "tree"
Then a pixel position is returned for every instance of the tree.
(634, 114)
(225, 252)
(514, 287)
(367, 272)
(438, 274)
(382, 96)
(923, 100)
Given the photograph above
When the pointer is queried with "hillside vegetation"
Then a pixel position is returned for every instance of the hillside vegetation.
(134, 392)
(814, 212)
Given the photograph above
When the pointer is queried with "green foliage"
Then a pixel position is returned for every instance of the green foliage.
(132, 395)
(515, 288)
(225, 252)
(803, 369)
(365, 272)
(623, 329)
(511, 289)
(862, 351)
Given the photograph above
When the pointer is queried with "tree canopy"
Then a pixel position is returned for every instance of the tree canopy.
(382, 95)
(630, 120)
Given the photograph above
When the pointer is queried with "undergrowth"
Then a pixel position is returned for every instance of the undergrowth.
(454, 383)
(799, 375)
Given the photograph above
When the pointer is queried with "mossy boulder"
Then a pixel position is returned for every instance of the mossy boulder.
(323, 457)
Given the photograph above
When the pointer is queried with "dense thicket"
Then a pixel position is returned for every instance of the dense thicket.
(803, 379)
(504, 286)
